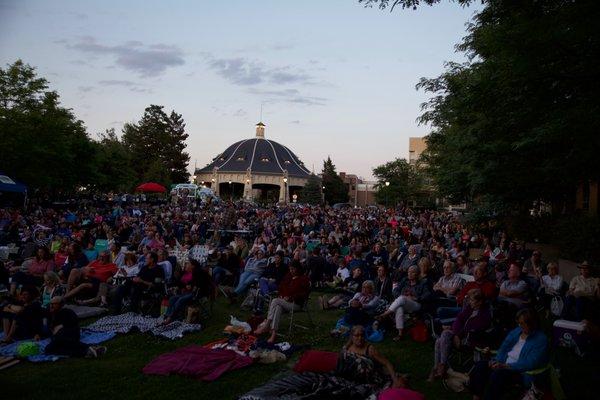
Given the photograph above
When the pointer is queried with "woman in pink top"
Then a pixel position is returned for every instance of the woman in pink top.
(34, 273)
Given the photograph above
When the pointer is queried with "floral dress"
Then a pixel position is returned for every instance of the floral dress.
(360, 368)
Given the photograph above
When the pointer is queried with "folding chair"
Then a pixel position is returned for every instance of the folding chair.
(306, 309)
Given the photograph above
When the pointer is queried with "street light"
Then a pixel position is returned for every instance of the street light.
(285, 190)
(386, 193)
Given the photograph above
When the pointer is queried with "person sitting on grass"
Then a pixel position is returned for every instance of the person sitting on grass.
(34, 275)
(52, 288)
(144, 281)
(194, 283)
(64, 327)
(293, 293)
(584, 290)
(359, 310)
(254, 269)
(360, 362)
(75, 260)
(466, 330)
(524, 349)
(24, 318)
(551, 285)
(89, 278)
(514, 290)
(450, 283)
(350, 288)
(274, 274)
(411, 293)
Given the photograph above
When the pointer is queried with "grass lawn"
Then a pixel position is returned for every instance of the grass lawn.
(118, 374)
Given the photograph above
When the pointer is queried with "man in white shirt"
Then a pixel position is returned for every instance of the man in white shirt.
(583, 292)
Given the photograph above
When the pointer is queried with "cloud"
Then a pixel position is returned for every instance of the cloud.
(289, 96)
(146, 60)
(80, 16)
(282, 46)
(132, 86)
(81, 62)
(297, 122)
(243, 72)
(85, 89)
(240, 113)
(114, 82)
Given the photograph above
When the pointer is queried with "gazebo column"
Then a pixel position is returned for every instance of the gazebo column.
(215, 182)
(248, 185)
(281, 192)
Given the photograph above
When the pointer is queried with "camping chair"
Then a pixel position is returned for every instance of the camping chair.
(152, 297)
(205, 304)
(303, 308)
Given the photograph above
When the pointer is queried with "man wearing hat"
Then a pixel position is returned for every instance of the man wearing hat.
(583, 291)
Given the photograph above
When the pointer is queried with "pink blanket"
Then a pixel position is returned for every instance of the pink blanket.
(197, 361)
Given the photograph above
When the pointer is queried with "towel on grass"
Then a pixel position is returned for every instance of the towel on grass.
(198, 362)
(124, 323)
(87, 337)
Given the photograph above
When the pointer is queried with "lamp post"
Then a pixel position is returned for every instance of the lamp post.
(285, 190)
(387, 184)
(323, 194)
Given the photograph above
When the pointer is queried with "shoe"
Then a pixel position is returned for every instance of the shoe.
(91, 352)
(100, 351)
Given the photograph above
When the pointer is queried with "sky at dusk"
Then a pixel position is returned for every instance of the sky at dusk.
(334, 78)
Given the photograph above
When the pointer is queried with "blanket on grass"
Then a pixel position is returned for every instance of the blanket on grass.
(311, 386)
(87, 337)
(198, 362)
(126, 322)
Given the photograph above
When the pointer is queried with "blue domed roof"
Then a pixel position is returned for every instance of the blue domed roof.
(261, 156)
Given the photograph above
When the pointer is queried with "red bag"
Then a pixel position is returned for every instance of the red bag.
(418, 332)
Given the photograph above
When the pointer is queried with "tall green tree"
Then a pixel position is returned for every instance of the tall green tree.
(115, 167)
(311, 192)
(519, 121)
(335, 188)
(42, 143)
(157, 146)
(406, 183)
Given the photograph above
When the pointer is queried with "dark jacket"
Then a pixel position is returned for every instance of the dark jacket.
(420, 290)
(471, 323)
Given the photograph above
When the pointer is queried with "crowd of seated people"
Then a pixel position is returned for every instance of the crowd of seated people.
(392, 266)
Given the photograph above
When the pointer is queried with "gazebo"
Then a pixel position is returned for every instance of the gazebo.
(255, 168)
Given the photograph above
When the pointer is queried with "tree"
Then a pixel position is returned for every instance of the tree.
(115, 167)
(311, 192)
(335, 188)
(518, 122)
(383, 4)
(405, 182)
(43, 144)
(156, 143)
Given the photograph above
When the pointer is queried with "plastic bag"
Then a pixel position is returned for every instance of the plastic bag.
(556, 306)
(237, 323)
